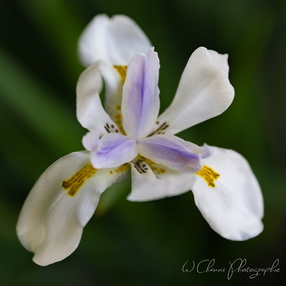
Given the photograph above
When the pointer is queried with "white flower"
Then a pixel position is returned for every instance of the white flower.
(129, 136)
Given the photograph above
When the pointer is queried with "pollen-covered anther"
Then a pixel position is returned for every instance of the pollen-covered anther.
(209, 175)
(122, 72)
(74, 183)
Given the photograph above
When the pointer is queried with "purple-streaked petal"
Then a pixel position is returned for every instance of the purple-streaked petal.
(170, 151)
(114, 39)
(204, 92)
(140, 100)
(113, 150)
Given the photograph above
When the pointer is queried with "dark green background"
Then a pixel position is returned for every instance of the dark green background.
(129, 243)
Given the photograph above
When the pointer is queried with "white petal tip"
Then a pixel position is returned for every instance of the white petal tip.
(245, 234)
(115, 39)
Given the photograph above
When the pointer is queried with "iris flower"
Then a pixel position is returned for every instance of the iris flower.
(129, 136)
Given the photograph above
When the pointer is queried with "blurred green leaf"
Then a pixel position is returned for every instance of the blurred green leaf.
(45, 113)
(60, 22)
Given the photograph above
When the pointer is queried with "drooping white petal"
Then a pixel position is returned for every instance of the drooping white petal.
(90, 140)
(204, 91)
(151, 181)
(228, 195)
(114, 39)
(140, 100)
(171, 151)
(90, 112)
(59, 206)
(113, 150)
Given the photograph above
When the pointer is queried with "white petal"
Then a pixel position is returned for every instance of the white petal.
(151, 181)
(140, 101)
(204, 91)
(90, 112)
(114, 39)
(90, 140)
(51, 221)
(113, 83)
(234, 207)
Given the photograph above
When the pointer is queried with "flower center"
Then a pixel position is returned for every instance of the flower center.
(209, 175)
(73, 184)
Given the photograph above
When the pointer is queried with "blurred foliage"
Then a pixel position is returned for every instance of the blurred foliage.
(141, 243)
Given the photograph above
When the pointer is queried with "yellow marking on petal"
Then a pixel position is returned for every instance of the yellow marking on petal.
(118, 121)
(122, 168)
(74, 183)
(148, 161)
(122, 71)
(118, 116)
(209, 175)
(161, 171)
